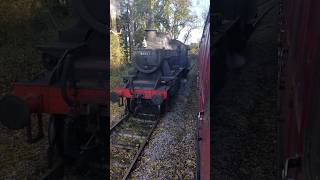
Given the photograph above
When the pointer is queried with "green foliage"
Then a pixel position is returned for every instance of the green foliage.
(116, 51)
(172, 16)
(194, 48)
(116, 74)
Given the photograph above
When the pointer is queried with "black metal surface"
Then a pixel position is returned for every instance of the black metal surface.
(232, 9)
(14, 112)
(82, 46)
(146, 61)
(76, 60)
(93, 12)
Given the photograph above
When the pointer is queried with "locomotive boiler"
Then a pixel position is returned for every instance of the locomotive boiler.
(155, 77)
(71, 89)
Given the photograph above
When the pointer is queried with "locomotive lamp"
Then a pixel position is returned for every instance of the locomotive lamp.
(114, 97)
(157, 99)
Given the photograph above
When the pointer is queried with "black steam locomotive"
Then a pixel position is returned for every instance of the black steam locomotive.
(158, 68)
(72, 90)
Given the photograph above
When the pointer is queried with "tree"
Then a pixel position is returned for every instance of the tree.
(190, 26)
(123, 26)
(116, 52)
(113, 15)
(194, 48)
(168, 16)
(173, 15)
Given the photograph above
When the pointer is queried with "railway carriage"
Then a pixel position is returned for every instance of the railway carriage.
(299, 88)
(203, 151)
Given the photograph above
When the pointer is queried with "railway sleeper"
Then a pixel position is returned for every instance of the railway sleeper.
(132, 136)
(121, 165)
(124, 158)
(118, 139)
(138, 125)
(135, 136)
(134, 130)
(126, 146)
(146, 121)
(145, 116)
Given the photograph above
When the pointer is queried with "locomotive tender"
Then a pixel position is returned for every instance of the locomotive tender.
(158, 68)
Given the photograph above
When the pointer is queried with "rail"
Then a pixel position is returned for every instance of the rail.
(126, 124)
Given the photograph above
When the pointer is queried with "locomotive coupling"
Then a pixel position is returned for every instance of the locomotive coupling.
(14, 112)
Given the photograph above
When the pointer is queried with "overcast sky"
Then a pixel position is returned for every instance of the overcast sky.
(198, 7)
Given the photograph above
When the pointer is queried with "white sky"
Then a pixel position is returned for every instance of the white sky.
(198, 7)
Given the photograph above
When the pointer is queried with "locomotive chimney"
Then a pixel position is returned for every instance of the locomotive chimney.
(151, 32)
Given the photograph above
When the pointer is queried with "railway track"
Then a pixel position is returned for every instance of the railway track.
(64, 170)
(83, 169)
(128, 138)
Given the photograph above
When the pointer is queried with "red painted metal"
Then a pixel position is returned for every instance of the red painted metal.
(204, 102)
(302, 40)
(48, 99)
(147, 94)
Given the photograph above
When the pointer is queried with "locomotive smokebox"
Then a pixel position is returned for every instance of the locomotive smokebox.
(14, 112)
(151, 35)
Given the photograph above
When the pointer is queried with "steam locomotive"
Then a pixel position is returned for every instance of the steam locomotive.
(72, 89)
(158, 68)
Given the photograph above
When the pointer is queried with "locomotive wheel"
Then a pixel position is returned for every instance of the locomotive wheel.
(71, 139)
